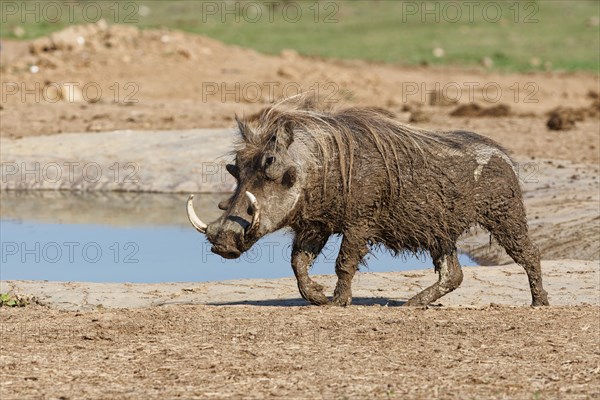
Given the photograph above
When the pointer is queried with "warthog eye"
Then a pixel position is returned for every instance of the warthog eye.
(269, 160)
(272, 169)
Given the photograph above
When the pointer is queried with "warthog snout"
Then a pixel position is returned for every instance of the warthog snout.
(230, 235)
(226, 251)
(226, 236)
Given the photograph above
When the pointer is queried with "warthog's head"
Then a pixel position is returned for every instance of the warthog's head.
(269, 179)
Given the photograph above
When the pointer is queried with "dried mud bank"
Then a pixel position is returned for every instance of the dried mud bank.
(127, 161)
(568, 282)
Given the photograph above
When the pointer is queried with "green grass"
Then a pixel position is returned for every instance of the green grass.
(557, 32)
(9, 300)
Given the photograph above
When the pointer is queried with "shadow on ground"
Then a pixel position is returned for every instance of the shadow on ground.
(298, 302)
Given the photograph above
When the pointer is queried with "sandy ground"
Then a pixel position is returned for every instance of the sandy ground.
(154, 80)
(568, 282)
(495, 352)
(259, 340)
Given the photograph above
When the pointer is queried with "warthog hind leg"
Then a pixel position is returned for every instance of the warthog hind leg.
(528, 256)
(508, 225)
(450, 277)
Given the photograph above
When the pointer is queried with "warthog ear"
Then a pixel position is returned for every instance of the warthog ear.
(245, 130)
(289, 178)
(286, 136)
(233, 170)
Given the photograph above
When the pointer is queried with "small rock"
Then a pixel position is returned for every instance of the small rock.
(475, 110)
(185, 52)
(102, 25)
(593, 22)
(289, 54)
(487, 62)
(71, 94)
(438, 52)
(438, 98)
(535, 62)
(286, 72)
(418, 116)
(52, 93)
(18, 31)
(561, 120)
(393, 102)
(144, 11)
(94, 128)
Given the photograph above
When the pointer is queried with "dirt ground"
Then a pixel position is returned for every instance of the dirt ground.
(301, 352)
(170, 80)
(97, 77)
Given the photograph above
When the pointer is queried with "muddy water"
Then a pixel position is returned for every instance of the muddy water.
(133, 237)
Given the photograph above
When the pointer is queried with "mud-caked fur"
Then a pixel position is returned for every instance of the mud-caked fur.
(359, 173)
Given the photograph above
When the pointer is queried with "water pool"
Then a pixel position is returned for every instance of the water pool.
(145, 238)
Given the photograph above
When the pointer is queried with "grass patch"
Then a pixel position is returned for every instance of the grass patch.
(10, 300)
(514, 35)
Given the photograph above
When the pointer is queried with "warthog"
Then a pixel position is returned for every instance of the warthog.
(359, 173)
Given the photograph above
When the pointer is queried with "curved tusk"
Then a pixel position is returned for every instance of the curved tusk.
(196, 222)
(253, 227)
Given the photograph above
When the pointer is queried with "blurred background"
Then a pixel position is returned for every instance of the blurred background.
(112, 112)
(507, 35)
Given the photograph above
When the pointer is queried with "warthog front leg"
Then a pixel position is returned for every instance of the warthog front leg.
(450, 277)
(304, 253)
(346, 264)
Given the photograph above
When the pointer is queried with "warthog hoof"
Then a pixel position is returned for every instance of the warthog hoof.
(341, 301)
(314, 294)
(539, 302)
(342, 297)
(416, 303)
(539, 298)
